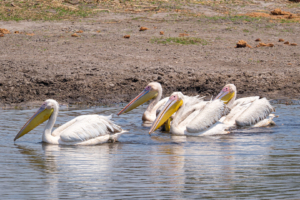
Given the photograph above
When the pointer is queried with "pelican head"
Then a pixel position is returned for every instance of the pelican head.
(227, 93)
(150, 92)
(43, 114)
(173, 104)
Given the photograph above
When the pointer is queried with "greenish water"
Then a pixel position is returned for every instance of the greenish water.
(249, 163)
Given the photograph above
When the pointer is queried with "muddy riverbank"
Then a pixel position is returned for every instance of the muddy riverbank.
(102, 67)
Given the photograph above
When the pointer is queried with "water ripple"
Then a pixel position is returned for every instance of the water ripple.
(248, 163)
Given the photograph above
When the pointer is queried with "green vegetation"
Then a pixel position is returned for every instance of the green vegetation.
(288, 21)
(294, 5)
(179, 40)
(75, 9)
(234, 18)
(44, 10)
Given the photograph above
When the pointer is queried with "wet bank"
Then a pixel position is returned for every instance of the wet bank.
(102, 67)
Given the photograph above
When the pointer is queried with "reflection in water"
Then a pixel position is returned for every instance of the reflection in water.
(80, 166)
(249, 163)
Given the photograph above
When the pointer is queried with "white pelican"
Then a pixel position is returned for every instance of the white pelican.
(152, 92)
(83, 130)
(194, 117)
(248, 111)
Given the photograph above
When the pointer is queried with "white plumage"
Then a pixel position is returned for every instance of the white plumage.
(257, 111)
(196, 117)
(87, 127)
(237, 108)
(209, 115)
(248, 111)
(82, 130)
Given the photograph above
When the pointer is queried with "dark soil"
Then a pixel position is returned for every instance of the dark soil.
(102, 67)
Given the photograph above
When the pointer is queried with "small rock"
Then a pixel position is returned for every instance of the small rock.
(161, 33)
(75, 35)
(293, 44)
(286, 42)
(143, 28)
(111, 85)
(51, 11)
(127, 36)
(281, 40)
(73, 2)
(257, 40)
(80, 31)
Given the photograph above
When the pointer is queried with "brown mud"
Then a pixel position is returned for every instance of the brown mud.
(100, 66)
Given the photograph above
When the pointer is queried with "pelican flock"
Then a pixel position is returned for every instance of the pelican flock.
(82, 130)
(194, 117)
(191, 115)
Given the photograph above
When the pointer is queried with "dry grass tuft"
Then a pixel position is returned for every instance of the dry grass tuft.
(277, 14)
(261, 44)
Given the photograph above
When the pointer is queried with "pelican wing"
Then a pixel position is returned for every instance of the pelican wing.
(61, 128)
(244, 101)
(87, 127)
(257, 111)
(208, 116)
(191, 104)
(238, 107)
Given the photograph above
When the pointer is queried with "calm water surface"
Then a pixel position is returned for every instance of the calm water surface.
(249, 163)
